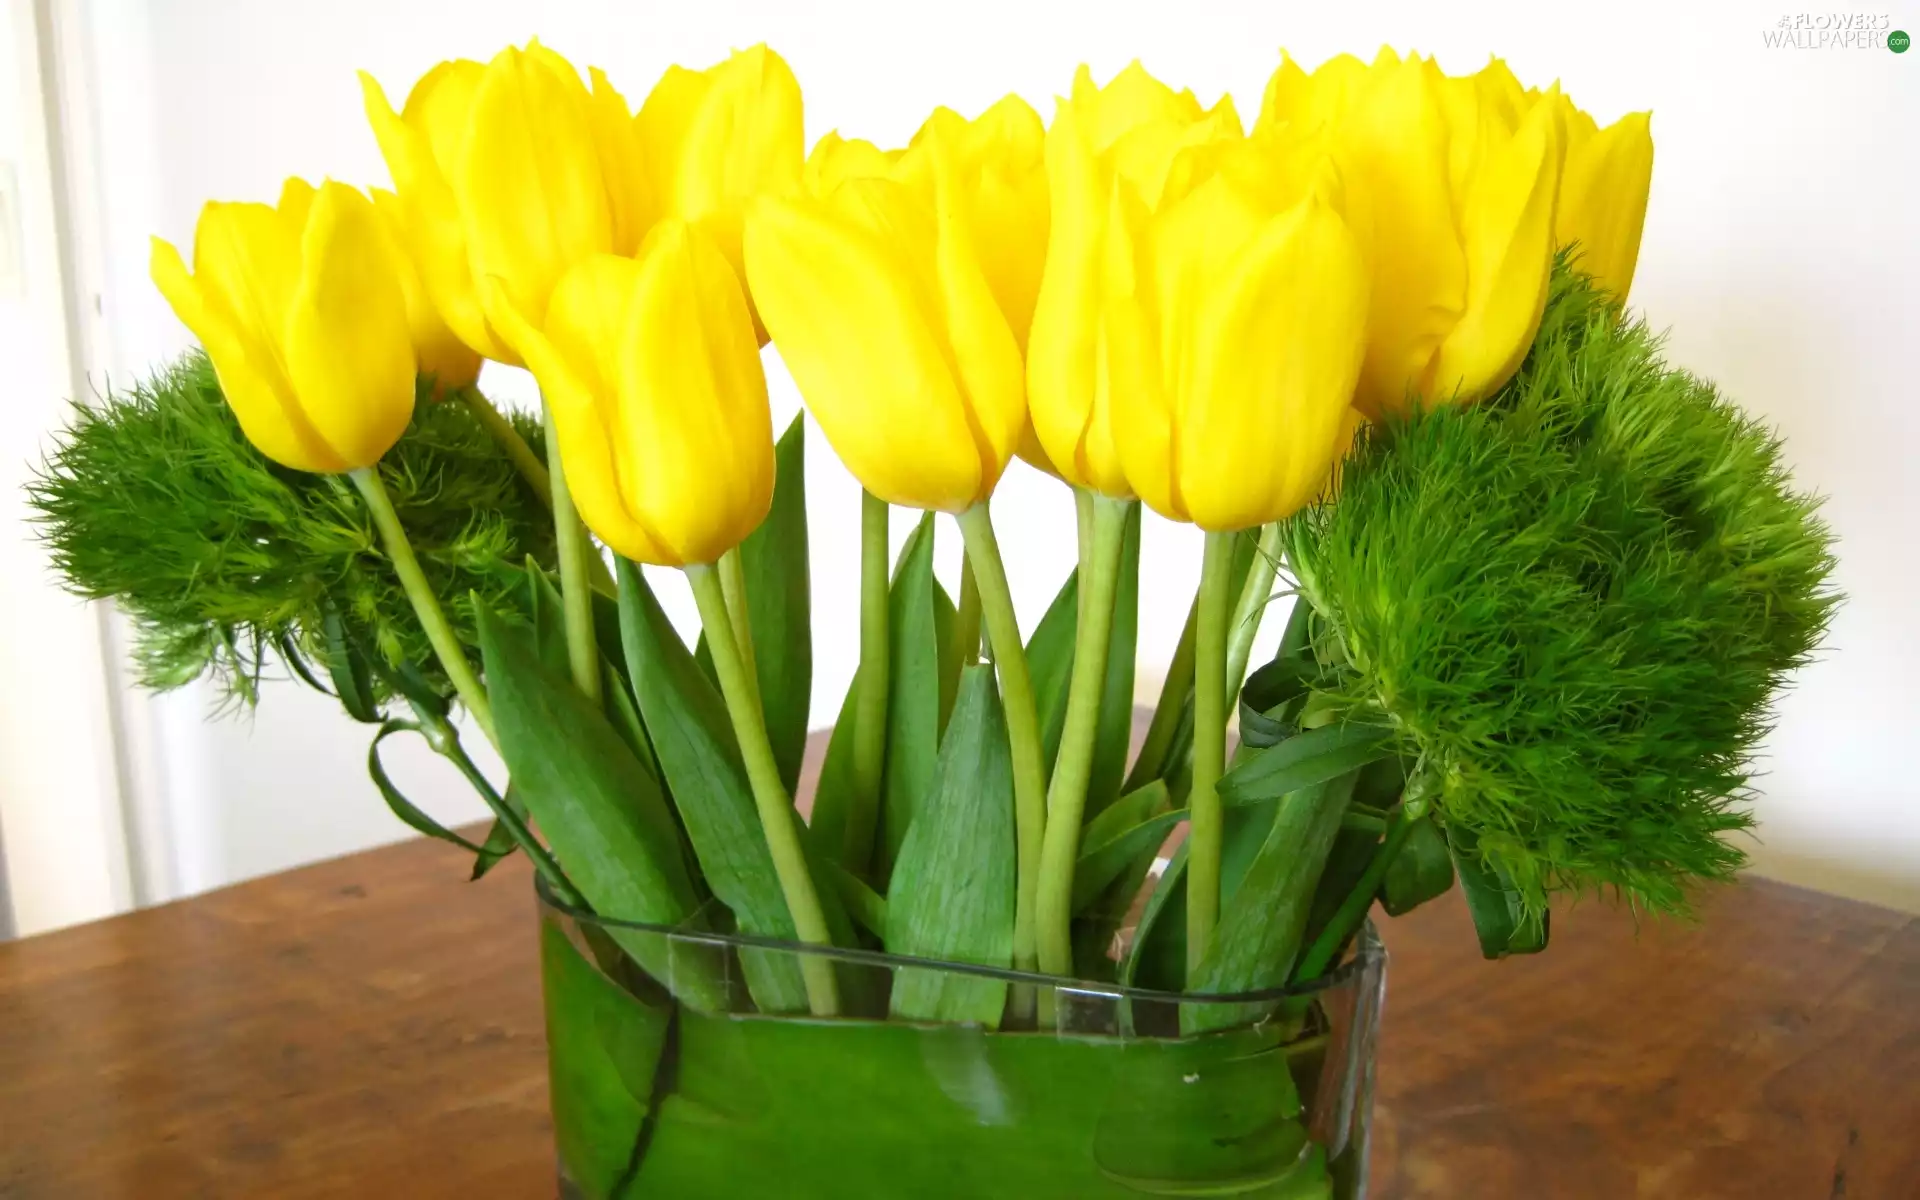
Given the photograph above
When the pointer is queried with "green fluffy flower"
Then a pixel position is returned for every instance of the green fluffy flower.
(155, 499)
(1575, 602)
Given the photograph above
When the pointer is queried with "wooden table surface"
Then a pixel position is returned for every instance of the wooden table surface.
(371, 1027)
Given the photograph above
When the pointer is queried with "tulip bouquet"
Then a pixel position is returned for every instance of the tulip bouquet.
(1543, 585)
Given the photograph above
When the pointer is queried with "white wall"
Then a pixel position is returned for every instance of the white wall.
(1780, 247)
(60, 819)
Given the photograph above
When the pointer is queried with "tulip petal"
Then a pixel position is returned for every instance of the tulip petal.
(417, 153)
(250, 377)
(534, 199)
(438, 352)
(835, 160)
(1603, 199)
(693, 433)
(1131, 99)
(1507, 228)
(663, 123)
(440, 109)
(1288, 98)
(1393, 148)
(1063, 354)
(1133, 419)
(1275, 359)
(985, 356)
(629, 190)
(856, 330)
(349, 354)
(577, 389)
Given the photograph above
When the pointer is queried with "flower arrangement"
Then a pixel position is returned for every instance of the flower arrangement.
(1374, 347)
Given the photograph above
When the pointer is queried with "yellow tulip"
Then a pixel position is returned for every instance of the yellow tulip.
(1603, 199)
(1234, 324)
(835, 159)
(1130, 132)
(652, 373)
(883, 313)
(1451, 186)
(512, 170)
(300, 311)
(440, 354)
(712, 140)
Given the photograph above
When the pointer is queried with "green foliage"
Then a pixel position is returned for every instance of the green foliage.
(693, 736)
(952, 893)
(1574, 601)
(155, 499)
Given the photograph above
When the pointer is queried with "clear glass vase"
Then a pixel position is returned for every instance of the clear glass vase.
(669, 1081)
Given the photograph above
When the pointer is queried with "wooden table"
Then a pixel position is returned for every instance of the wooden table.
(371, 1027)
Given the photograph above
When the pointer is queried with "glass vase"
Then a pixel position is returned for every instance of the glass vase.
(669, 1080)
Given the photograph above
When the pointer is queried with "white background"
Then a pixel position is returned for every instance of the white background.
(1780, 249)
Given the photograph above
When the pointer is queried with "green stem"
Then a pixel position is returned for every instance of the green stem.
(426, 606)
(1083, 518)
(777, 817)
(1151, 762)
(966, 622)
(1245, 624)
(445, 740)
(1073, 765)
(733, 582)
(870, 706)
(518, 452)
(576, 593)
(1209, 747)
(1023, 726)
(1353, 909)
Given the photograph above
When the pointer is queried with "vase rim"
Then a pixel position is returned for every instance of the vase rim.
(1367, 955)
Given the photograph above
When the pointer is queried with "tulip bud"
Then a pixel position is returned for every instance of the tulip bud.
(1130, 132)
(1454, 210)
(441, 356)
(884, 315)
(1603, 199)
(712, 140)
(1000, 171)
(1234, 330)
(511, 170)
(299, 308)
(651, 371)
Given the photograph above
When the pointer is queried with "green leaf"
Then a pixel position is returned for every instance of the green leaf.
(347, 666)
(1136, 823)
(604, 1050)
(1422, 871)
(547, 611)
(1159, 958)
(1264, 919)
(823, 1110)
(833, 793)
(625, 715)
(499, 845)
(402, 807)
(1050, 664)
(1352, 853)
(1266, 696)
(867, 907)
(944, 619)
(1302, 761)
(952, 893)
(774, 560)
(1499, 913)
(693, 737)
(1114, 734)
(913, 700)
(602, 813)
